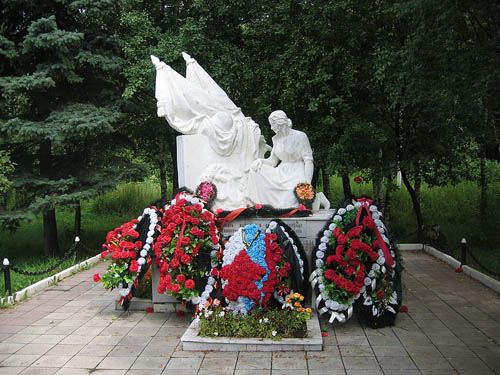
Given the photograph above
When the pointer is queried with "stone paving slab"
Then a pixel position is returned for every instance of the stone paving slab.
(452, 327)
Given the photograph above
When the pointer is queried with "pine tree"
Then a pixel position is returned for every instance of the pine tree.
(60, 106)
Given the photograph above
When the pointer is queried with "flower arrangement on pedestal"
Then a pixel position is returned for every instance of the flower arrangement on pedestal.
(183, 249)
(355, 266)
(305, 194)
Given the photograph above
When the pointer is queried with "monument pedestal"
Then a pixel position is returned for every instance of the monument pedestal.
(306, 229)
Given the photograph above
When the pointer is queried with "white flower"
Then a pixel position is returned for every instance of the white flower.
(368, 281)
(147, 247)
(350, 207)
(371, 274)
(375, 266)
(320, 254)
(141, 260)
(322, 246)
(274, 333)
(260, 321)
(151, 233)
(216, 333)
(327, 233)
(373, 208)
(357, 204)
(375, 217)
(337, 218)
(368, 301)
(144, 253)
(319, 263)
(272, 225)
(221, 314)
(332, 226)
(381, 260)
(341, 211)
(324, 239)
(321, 287)
(266, 320)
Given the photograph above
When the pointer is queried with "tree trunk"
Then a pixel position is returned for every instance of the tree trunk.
(483, 183)
(314, 179)
(346, 185)
(418, 180)
(326, 183)
(163, 178)
(389, 188)
(378, 192)
(78, 219)
(172, 148)
(416, 207)
(50, 243)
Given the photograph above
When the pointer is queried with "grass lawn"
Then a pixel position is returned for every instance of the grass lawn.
(454, 208)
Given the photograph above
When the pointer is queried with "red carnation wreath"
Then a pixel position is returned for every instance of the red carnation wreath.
(183, 248)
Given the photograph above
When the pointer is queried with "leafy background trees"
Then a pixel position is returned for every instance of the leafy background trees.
(379, 87)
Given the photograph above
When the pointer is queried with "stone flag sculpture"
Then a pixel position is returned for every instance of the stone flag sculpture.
(223, 146)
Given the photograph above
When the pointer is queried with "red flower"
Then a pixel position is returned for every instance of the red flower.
(324, 334)
(134, 266)
(336, 232)
(175, 263)
(258, 206)
(459, 270)
(104, 254)
(185, 241)
(219, 211)
(355, 232)
(342, 239)
(206, 216)
(403, 308)
(186, 259)
(175, 288)
(189, 284)
(368, 222)
(358, 179)
(302, 207)
(97, 278)
(149, 310)
(380, 294)
(180, 278)
(138, 244)
(214, 272)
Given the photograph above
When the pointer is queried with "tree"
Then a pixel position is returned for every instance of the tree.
(59, 110)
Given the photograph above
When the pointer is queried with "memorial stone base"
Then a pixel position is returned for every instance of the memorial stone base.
(306, 228)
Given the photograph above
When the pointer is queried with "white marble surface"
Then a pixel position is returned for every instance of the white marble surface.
(223, 146)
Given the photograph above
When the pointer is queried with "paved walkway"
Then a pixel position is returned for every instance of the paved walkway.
(452, 327)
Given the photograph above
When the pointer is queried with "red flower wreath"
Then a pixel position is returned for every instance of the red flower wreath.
(189, 230)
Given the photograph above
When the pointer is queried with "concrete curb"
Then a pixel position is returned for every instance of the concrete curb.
(472, 272)
(48, 281)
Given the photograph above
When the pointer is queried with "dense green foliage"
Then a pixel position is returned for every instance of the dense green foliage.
(378, 86)
(61, 80)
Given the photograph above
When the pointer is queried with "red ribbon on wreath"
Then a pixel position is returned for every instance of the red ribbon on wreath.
(365, 203)
(230, 216)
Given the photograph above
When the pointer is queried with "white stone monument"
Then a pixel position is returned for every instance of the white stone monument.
(225, 147)
(221, 145)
